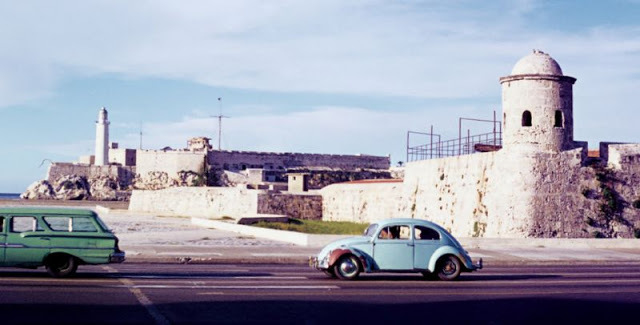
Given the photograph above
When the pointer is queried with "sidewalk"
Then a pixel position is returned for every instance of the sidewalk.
(147, 238)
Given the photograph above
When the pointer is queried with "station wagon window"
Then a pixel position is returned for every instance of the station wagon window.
(425, 233)
(395, 232)
(83, 225)
(70, 224)
(23, 224)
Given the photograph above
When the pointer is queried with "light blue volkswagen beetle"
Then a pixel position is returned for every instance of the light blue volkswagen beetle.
(396, 245)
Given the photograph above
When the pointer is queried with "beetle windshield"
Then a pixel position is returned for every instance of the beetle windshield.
(371, 230)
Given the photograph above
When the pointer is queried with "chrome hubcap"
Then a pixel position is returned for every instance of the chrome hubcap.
(348, 267)
(449, 268)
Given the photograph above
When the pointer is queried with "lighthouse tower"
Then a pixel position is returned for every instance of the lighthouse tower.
(102, 138)
(537, 104)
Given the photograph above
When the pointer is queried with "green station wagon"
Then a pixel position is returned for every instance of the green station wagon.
(58, 238)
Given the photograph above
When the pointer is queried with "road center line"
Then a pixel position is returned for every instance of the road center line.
(142, 298)
(248, 287)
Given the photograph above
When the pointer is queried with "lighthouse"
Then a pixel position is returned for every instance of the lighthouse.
(102, 138)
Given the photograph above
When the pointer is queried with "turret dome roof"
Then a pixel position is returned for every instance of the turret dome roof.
(537, 62)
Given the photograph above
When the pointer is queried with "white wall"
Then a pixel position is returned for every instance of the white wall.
(207, 202)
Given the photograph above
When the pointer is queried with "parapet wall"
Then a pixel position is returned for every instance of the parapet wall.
(361, 202)
(218, 202)
(206, 202)
(240, 160)
(308, 207)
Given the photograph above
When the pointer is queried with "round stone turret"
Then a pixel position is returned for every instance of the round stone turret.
(537, 105)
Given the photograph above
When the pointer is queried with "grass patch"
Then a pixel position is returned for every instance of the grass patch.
(316, 227)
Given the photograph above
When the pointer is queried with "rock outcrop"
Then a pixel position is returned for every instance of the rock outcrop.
(40, 190)
(74, 187)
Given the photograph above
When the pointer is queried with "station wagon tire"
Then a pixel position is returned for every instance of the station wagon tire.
(448, 268)
(347, 268)
(60, 266)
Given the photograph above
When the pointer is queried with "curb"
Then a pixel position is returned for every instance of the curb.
(296, 238)
(272, 234)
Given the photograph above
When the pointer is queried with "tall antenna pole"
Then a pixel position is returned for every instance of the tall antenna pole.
(220, 117)
(140, 135)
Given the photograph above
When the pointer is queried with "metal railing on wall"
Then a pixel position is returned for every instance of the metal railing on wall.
(434, 147)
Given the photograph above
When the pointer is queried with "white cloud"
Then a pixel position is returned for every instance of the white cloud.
(418, 48)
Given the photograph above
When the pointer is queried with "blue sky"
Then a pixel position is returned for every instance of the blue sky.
(328, 76)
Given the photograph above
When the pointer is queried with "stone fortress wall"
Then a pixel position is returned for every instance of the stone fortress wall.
(540, 184)
(240, 160)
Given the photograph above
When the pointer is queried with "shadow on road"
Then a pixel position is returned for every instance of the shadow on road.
(463, 278)
(42, 274)
(539, 310)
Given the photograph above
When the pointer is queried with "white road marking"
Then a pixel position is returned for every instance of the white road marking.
(221, 277)
(188, 254)
(142, 299)
(248, 287)
(278, 254)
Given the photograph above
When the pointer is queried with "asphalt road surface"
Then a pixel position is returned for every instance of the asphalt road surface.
(281, 294)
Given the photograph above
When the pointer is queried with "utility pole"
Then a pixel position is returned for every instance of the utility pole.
(140, 135)
(220, 117)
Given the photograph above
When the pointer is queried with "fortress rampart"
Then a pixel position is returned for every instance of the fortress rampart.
(240, 160)
(170, 162)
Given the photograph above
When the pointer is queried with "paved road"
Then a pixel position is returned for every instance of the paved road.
(173, 293)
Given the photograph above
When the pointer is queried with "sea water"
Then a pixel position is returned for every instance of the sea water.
(9, 196)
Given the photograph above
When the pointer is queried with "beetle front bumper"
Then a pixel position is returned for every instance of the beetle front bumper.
(313, 262)
(478, 265)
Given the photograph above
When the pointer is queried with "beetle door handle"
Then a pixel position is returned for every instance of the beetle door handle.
(410, 244)
(45, 238)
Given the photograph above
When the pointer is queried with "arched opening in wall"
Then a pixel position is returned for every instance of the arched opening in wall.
(526, 118)
(558, 119)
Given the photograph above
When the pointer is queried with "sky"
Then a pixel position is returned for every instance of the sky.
(327, 76)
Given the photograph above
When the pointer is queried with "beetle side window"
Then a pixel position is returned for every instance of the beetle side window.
(395, 232)
(425, 233)
(1, 224)
(24, 224)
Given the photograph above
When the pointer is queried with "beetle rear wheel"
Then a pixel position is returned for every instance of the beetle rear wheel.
(61, 265)
(347, 268)
(448, 268)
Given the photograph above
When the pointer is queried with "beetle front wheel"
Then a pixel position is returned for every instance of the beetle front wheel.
(448, 268)
(61, 265)
(347, 268)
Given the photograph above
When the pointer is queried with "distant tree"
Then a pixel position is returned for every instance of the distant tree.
(400, 163)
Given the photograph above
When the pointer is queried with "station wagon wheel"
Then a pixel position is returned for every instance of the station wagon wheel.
(347, 268)
(61, 265)
(448, 268)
